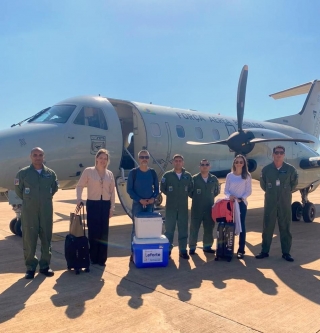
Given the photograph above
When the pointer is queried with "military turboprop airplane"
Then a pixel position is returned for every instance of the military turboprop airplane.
(72, 131)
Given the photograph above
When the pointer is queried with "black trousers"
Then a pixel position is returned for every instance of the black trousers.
(98, 229)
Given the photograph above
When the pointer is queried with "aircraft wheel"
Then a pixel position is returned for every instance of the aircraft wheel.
(309, 212)
(12, 225)
(17, 228)
(158, 200)
(296, 209)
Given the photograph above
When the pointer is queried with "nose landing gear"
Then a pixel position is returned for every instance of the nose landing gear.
(305, 210)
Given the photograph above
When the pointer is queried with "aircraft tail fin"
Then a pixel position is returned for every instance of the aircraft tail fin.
(308, 119)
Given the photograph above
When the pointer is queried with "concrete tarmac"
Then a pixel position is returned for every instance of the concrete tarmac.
(199, 295)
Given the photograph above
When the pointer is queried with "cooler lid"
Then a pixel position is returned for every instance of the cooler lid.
(159, 240)
(148, 215)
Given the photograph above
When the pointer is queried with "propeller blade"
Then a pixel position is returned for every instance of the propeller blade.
(195, 143)
(257, 140)
(241, 96)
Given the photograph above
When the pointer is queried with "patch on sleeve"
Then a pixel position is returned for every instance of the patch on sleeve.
(16, 181)
(163, 180)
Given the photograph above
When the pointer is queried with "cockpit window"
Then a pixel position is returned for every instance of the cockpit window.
(93, 117)
(56, 114)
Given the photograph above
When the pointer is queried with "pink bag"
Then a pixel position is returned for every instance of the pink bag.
(222, 211)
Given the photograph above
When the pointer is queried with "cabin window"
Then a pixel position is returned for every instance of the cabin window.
(199, 133)
(155, 129)
(215, 134)
(92, 117)
(56, 114)
(180, 131)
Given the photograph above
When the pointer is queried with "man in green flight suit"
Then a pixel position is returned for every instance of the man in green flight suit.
(205, 188)
(36, 185)
(278, 180)
(177, 185)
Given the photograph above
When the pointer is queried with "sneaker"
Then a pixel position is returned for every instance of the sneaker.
(29, 275)
(47, 271)
(262, 255)
(184, 255)
(192, 252)
(208, 250)
(287, 257)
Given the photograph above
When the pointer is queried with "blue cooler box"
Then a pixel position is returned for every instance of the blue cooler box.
(150, 252)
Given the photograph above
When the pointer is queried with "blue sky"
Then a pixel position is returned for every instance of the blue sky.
(185, 54)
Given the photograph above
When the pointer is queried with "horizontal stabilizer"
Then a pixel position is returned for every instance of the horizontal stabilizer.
(298, 90)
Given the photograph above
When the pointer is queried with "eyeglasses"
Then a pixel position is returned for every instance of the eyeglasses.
(279, 152)
(238, 162)
(205, 164)
(144, 157)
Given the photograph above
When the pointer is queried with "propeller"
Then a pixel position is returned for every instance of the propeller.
(243, 141)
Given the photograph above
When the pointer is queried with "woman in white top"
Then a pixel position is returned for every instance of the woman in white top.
(100, 204)
(238, 187)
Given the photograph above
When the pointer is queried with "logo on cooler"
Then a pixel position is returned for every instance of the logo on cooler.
(154, 255)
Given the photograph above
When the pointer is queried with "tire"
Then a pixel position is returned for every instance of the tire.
(158, 200)
(309, 212)
(296, 210)
(12, 225)
(17, 228)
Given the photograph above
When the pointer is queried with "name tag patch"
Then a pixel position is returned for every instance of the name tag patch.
(27, 190)
(198, 190)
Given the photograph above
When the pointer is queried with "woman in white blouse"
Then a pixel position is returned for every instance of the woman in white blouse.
(238, 187)
(100, 204)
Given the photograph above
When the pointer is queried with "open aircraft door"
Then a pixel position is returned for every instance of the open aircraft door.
(125, 200)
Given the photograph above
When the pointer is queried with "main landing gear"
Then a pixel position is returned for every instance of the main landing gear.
(306, 209)
(15, 224)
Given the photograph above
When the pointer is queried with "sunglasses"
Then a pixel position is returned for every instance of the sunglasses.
(278, 152)
(238, 162)
(205, 164)
(144, 157)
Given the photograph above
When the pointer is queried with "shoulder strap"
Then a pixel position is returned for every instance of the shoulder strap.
(154, 175)
(134, 175)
